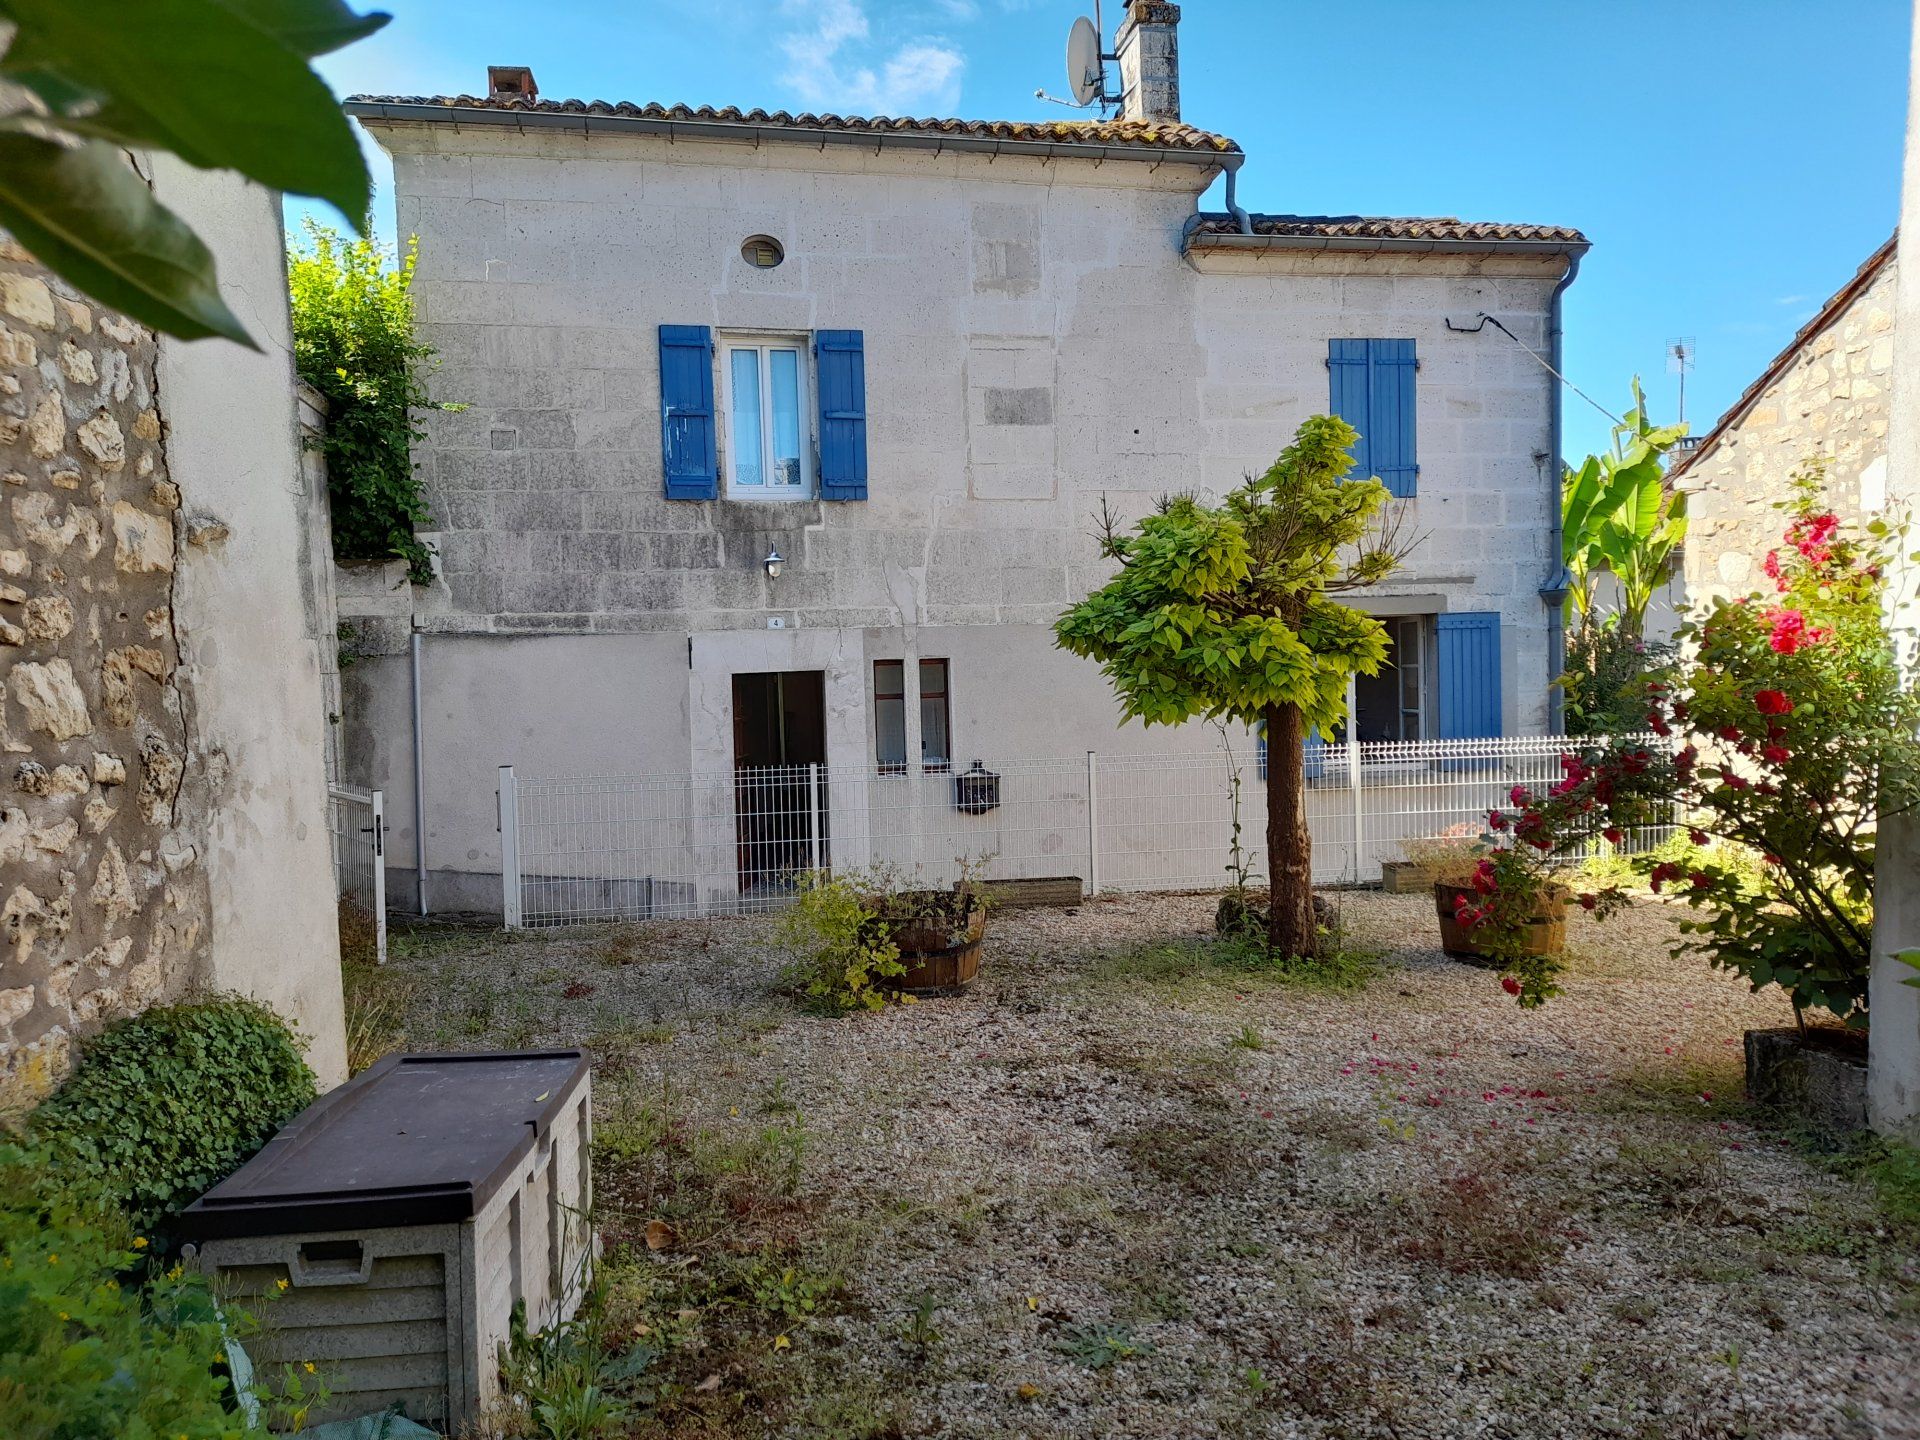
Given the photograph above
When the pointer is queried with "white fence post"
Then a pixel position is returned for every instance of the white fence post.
(1359, 798)
(1093, 823)
(380, 876)
(510, 849)
(813, 804)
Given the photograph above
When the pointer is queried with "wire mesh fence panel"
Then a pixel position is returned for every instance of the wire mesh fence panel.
(357, 821)
(628, 847)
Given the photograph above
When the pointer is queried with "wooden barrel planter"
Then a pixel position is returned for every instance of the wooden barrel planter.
(939, 940)
(1546, 928)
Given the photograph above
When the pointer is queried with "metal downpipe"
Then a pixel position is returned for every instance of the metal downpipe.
(1553, 594)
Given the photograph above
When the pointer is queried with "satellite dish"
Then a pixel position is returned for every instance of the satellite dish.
(1083, 61)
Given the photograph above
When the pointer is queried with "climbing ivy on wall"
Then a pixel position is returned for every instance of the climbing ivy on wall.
(353, 341)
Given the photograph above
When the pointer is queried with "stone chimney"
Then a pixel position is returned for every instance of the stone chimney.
(1149, 56)
(511, 82)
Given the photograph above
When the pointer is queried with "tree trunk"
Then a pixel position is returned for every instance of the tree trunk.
(1290, 926)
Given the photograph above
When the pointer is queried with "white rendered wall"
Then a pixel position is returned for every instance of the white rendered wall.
(1893, 1081)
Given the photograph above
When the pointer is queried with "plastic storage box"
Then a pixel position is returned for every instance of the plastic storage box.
(387, 1232)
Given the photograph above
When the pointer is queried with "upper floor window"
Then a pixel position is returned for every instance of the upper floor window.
(784, 416)
(767, 386)
(1373, 388)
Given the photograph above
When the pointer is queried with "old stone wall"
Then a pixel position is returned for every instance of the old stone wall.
(165, 612)
(1832, 398)
(105, 901)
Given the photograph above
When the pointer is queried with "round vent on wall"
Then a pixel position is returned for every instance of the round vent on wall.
(763, 252)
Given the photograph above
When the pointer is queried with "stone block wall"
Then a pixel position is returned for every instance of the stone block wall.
(1832, 397)
(103, 901)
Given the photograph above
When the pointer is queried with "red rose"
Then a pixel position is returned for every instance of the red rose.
(1614, 833)
(1518, 795)
(1509, 984)
(1789, 631)
(1776, 754)
(1587, 902)
(1772, 702)
(1699, 880)
(1698, 837)
(1729, 732)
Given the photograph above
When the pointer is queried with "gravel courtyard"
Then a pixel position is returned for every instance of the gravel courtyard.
(1121, 1189)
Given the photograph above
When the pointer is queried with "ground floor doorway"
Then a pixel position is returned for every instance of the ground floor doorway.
(780, 782)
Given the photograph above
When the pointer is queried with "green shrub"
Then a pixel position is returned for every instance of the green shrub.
(83, 1354)
(353, 341)
(846, 958)
(167, 1103)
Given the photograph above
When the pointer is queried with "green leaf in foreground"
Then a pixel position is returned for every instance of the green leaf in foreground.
(84, 213)
(204, 80)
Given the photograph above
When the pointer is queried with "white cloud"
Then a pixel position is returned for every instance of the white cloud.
(834, 64)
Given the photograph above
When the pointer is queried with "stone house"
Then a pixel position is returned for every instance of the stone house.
(1829, 394)
(162, 799)
(909, 358)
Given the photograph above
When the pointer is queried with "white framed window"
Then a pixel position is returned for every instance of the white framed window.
(1392, 704)
(767, 392)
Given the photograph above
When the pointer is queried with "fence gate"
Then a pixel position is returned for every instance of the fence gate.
(357, 819)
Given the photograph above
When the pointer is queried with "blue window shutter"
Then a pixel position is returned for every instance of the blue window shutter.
(1347, 380)
(841, 365)
(686, 412)
(1390, 388)
(1371, 384)
(1469, 666)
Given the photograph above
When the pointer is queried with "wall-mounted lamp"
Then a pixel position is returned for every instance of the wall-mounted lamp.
(774, 563)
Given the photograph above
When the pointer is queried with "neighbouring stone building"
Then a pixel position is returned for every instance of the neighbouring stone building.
(909, 358)
(162, 800)
(1829, 393)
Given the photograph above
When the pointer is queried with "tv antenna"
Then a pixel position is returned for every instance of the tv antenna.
(1086, 66)
(1679, 362)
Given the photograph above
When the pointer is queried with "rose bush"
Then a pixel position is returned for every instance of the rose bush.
(1793, 735)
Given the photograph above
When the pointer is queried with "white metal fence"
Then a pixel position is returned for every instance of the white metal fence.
(357, 819)
(632, 847)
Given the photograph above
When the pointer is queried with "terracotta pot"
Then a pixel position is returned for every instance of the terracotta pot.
(942, 956)
(1546, 932)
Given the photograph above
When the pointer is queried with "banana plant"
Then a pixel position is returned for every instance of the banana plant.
(1618, 517)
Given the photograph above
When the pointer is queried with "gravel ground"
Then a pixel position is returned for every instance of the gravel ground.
(1120, 1190)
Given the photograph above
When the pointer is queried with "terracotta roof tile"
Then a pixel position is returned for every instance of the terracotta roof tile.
(1390, 227)
(1143, 133)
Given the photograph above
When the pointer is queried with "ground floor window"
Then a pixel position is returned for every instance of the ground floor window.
(1392, 704)
(890, 716)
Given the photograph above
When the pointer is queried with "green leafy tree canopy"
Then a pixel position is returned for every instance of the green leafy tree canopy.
(222, 84)
(1226, 611)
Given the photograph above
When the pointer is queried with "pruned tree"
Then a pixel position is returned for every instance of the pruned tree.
(1227, 610)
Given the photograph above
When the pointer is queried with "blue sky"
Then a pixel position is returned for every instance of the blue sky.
(1733, 161)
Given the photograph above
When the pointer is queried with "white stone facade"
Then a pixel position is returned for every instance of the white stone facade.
(1036, 338)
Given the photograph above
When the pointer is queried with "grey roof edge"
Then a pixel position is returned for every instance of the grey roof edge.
(818, 137)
